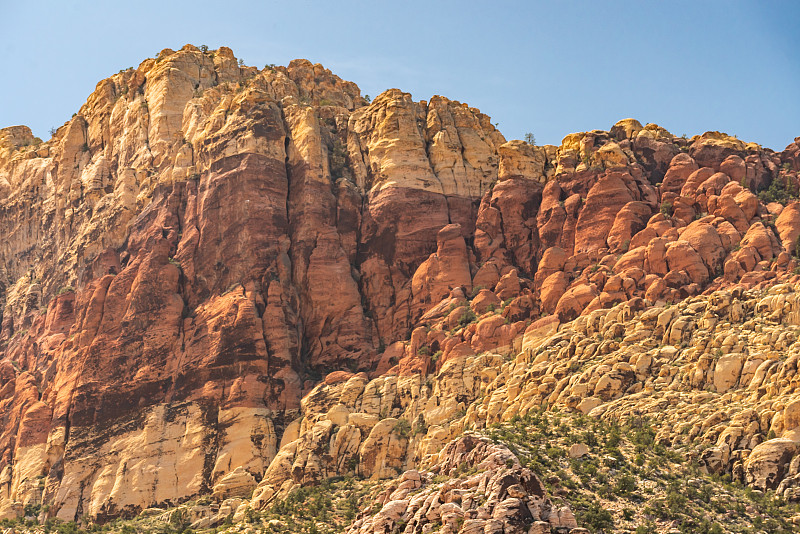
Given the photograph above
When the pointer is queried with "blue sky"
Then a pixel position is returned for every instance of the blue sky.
(547, 68)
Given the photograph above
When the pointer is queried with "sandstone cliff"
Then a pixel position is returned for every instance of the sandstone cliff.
(219, 279)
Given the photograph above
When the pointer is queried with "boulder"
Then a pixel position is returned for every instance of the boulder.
(445, 269)
(553, 290)
(680, 168)
(605, 200)
(788, 226)
(485, 300)
(704, 239)
(631, 219)
(682, 257)
(572, 303)
(578, 450)
(726, 372)
(237, 483)
(694, 180)
(734, 167)
(768, 463)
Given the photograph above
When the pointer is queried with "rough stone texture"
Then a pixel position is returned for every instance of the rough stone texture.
(788, 226)
(229, 234)
(768, 462)
(680, 168)
(515, 499)
(214, 277)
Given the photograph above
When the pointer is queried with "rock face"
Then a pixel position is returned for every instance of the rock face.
(217, 279)
(193, 248)
(767, 464)
(502, 496)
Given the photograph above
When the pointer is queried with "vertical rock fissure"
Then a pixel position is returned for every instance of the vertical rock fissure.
(288, 171)
(298, 359)
(67, 425)
(180, 214)
(211, 442)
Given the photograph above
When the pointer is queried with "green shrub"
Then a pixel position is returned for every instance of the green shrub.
(467, 317)
(614, 437)
(352, 463)
(337, 158)
(65, 289)
(402, 428)
(420, 427)
(626, 484)
(32, 510)
(781, 190)
(179, 519)
(596, 518)
(555, 452)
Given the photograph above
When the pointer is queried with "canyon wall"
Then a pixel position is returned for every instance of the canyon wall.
(214, 275)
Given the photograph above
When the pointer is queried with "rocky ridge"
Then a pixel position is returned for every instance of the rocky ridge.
(218, 280)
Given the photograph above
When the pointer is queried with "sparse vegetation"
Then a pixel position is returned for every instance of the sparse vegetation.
(337, 157)
(618, 471)
(630, 481)
(782, 190)
(467, 317)
(326, 508)
(402, 428)
(420, 427)
(65, 289)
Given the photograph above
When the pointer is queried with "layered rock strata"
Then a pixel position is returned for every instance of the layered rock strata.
(215, 277)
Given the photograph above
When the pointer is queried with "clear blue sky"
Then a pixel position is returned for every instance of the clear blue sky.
(548, 68)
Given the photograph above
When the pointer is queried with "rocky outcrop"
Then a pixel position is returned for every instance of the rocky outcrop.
(717, 370)
(217, 279)
(193, 248)
(768, 462)
(501, 495)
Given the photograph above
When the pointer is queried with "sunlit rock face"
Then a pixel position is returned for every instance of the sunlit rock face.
(216, 278)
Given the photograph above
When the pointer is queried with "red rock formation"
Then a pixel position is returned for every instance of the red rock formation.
(203, 243)
(680, 168)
